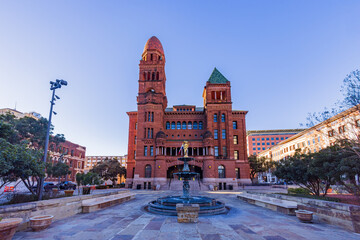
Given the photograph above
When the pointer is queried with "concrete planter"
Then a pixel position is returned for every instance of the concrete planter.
(41, 222)
(304, 215)
(68, 193)
(8, 227)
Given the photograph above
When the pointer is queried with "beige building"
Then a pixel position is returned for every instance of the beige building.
(19, 114)
(345, 125)
(91, 161)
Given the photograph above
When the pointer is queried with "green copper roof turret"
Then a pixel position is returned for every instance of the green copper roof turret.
(217, 77)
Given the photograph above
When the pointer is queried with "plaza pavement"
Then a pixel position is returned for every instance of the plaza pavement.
(128, 221)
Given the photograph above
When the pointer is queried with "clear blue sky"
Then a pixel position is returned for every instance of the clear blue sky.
(283, 58)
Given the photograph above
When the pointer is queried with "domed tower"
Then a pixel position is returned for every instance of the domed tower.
(152, 74)
(152, 103)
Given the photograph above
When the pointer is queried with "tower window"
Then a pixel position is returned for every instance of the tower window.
(144, 76)
(189, 125)
(157, 76)
(172, 125)
(200, 125)
(235, 139)
(215, 117)
(145, 151)
(234, 124)
(184, 125)
(236, 155)
(223, 117)
(216, 151)
(215, 134)
(195, 125)
(153, 76)
(148, 76)
(151, 57)
(178, 125)
(223, 133)
(167, 125)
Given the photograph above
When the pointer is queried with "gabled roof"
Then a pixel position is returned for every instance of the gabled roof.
(217, 77)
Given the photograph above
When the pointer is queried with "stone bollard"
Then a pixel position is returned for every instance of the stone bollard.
(187, 213)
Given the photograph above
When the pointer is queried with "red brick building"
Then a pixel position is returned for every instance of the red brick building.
(70, 153)
(216, 133)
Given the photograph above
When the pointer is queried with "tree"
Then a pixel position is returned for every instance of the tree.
(109, 170)
(22, 143)
(17, 161)
(59, 169)
(351, 89)
(258, 165)
(89, 178)
(351, 93)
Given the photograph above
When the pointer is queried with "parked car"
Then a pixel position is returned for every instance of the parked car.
(66, 185)
(47, 186)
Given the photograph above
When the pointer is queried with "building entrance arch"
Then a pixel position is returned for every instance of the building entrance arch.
(176, 168)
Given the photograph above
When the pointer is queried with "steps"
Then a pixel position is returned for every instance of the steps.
(177, 185)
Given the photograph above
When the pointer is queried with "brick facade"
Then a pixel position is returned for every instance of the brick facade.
(216, 133)
(72, 154)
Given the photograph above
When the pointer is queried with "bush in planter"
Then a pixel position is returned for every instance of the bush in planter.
(101, 187)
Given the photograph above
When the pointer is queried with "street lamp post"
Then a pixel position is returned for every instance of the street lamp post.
(54, 85)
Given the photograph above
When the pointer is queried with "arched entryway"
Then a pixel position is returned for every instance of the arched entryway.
(174, 169)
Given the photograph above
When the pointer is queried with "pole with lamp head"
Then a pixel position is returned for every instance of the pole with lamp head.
(54, 85)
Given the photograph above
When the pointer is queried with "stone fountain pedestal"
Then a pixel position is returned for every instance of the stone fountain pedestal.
(187, 213)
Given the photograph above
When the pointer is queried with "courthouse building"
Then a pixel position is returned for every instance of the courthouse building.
(216, 133)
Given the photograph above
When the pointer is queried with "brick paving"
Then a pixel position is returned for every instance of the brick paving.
(128, 221)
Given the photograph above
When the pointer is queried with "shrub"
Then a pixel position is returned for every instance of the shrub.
(101, 187)
(24, 198)
(299, 191)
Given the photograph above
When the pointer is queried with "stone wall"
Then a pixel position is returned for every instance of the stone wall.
(60, 208)
(340, 214)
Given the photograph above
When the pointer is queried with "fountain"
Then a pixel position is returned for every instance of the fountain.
(167, 205)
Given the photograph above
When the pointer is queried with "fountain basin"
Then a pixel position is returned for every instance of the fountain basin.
(167, 205)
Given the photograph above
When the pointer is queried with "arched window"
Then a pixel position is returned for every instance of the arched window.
(200, 125)
(144, 76)
(148, 171)
(223, 117)
(184, 125)
(215, 117)
(221, 171)
(153, 76)
(167, 125)
(157, 76)
(172, 125)
(148, 78)
(189, 125)
(195, 126)
(178, 125)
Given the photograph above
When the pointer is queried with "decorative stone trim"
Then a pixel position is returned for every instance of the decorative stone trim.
(187, 213)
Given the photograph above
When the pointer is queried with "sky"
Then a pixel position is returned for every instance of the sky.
(284, 59)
